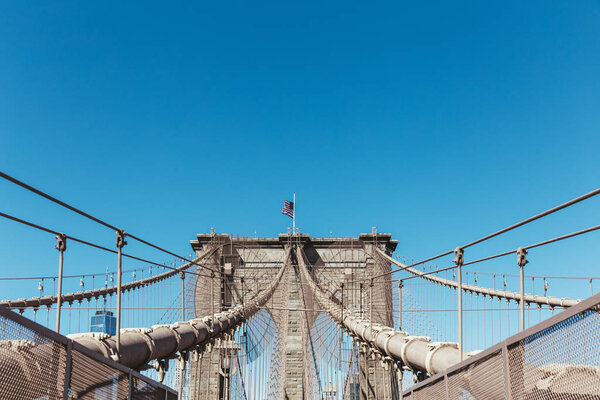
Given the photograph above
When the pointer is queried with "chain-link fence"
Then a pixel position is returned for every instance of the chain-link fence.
(37, 363)
(556, 359)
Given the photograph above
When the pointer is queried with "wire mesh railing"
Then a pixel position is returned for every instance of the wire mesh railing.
(37, 363)
(558, 358)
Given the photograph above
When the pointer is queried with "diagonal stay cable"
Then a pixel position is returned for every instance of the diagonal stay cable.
(91, 217)
(504, 230)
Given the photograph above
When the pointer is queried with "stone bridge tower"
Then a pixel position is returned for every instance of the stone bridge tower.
(340, 266)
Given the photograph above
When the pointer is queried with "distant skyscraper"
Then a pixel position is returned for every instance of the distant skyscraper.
(248, 345)
(103, 321)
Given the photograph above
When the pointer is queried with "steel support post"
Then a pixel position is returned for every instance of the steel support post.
(399, 377)
(130, 386)
(522, 260)
(506, 372)
(342, 305)
(68, 370)
(400, 286)
(361, 300)
(182, 275)
(446, 389)
(371, 310)
(181, 367)
(212, 296)
(458, 260)
(243, 306)
(341, 327)
(61, 246)
(120, 243)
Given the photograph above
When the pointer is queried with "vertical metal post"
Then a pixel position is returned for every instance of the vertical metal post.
(61, 246)
(212, 295)
(341, 329)
(120, 243)
(506, 372)
(68, 369)
(182, 275)
(371, 310)
(447, 390)
(294, 215)
(130, 386)
(342, 305)
(181, 368)
(243, 304)
(522, 260)
(400, 286)
(458, 260)
(361, 300)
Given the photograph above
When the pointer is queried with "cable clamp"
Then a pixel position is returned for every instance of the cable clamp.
(61, 244)
(387, 340)
(522, 257)
(121, 238)
(145, 335)
(407, 341)
(434, 348)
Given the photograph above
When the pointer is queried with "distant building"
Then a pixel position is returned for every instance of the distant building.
(354, 387)
(103, 321)
(248, 345)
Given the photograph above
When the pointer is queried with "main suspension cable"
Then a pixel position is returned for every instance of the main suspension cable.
(91, 217)
(97, 246)
(556, 239)
(504, 230)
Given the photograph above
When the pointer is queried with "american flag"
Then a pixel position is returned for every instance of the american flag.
(288, 208)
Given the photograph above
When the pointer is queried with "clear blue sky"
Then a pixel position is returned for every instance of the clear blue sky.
(436, 121)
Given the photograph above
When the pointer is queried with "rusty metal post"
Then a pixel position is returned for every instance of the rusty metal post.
(521, 261)
(458, 260)
(342, 305)
(129, 386)
(400, 286)
(212, 295)
(61, 246)
(371, 310)
(341, 328)
(243, 305)
(506, 372)
(68, 370)
(182, 275)
(446, 388)
(361, 300)
(120, 243)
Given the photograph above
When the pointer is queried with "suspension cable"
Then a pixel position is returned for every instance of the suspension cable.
(84, 242)
(556, 239)
(55, 200)
(504, 230)
(91, 217)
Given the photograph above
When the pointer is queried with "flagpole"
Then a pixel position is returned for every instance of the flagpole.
(294, 218)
